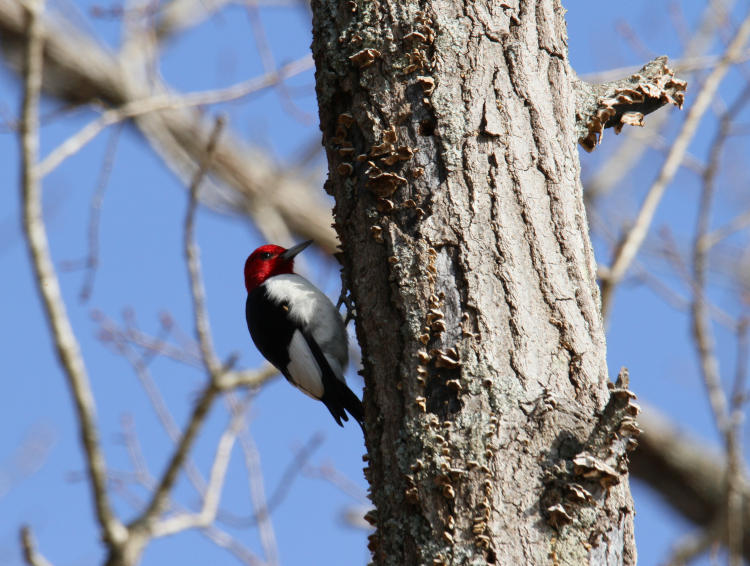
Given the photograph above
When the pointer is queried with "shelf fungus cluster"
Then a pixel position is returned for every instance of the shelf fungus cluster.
(590, 473)
(625, 102)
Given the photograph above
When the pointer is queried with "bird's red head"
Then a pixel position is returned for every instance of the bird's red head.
(270, 260)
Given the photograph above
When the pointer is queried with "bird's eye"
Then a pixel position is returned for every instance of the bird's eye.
(266, 255)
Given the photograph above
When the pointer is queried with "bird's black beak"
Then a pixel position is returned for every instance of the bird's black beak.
(293, 251)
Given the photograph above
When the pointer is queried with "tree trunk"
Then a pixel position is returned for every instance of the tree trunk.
(491, 430)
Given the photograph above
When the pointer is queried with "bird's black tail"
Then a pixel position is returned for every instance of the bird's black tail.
(341, 400)
(336, 394)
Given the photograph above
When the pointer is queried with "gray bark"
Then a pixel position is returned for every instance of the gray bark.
(451, 141)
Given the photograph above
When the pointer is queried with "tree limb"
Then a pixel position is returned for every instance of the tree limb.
(687, 474)
(30, 553)
(68, 350)
(192, 258)
(80, 71)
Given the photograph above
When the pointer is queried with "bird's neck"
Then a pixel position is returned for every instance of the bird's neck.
(256, 278)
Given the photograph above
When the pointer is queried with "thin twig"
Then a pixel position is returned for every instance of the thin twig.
(248, 378)
(336, 479)
(634, 238)
(739, 222)
(95, 211)
(624, 158)
(257, 488)
(160, 497)
(293, 469)
(68, 350)
(109, 331)
(212, 532)
(30, 554)
(684, 65)
(200, 314)
(692, 546)
(166, 102)
(133, 446)
(162, 411)
(269, 64)
(739, 397)
(727, 422)
(228, 542)
(212, 495)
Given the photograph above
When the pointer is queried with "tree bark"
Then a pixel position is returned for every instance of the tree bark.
(450, 134)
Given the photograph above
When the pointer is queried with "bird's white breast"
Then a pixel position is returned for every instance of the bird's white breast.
(315, 313)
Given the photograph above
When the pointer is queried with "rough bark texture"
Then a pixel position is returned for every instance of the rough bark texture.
(450, 135)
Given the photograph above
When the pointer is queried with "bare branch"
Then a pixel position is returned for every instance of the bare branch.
(179, 15)
(684, 65)
(728, 424)
(224, 540)
(739, 222)
(692, 546)
(192, 253)
(158, 102)
(91, 261)
(634, 238)
(212, 495)
(145, 523)
(161, 410)
(687, 474)
(623, 159)
(133, 446)
(247, 378)
(257, 489)
(30, 553)
(291, 472)
(78, 71)
(68, 350)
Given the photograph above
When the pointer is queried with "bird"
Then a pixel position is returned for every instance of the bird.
(296, 328)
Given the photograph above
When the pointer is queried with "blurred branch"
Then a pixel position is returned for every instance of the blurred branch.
(28, 458)
(684, 65)
(178, 15)
(293, 469)
(632, 241)
(687, 474)
(68, 350)
(728, 423)
(212, 495)
(257, 488)
(158, 102)
(160, 408)
(145, 524)
(143, 477)
(630, 150)
(739, 222)
(693, 545)
(78, 71)
(148, 525)
(224, 540)
(91, 262)
(30, 553)
(192, 258)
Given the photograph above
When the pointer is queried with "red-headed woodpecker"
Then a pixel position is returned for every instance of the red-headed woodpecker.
(297, 328)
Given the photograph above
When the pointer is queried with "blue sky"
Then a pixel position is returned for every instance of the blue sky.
(142, 270)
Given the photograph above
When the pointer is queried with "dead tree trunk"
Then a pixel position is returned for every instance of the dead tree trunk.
(450, 134)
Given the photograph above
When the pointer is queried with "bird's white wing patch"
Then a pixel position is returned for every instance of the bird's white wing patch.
(303, 369)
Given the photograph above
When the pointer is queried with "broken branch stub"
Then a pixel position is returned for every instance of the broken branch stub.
(625, 101)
